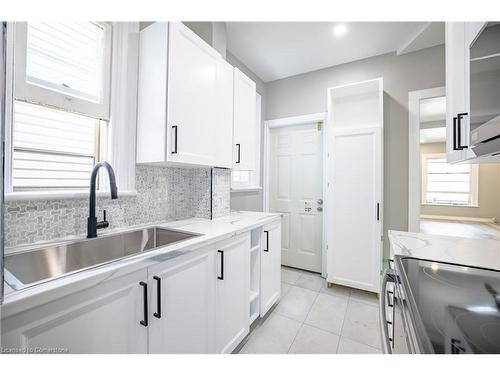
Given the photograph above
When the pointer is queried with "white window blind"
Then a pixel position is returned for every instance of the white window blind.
(67, 57)
(448, 184)
(53, 149)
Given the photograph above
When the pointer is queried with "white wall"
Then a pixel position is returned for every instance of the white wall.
(306, 93)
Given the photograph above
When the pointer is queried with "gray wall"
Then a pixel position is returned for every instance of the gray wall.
(306, 93)
(250, 201)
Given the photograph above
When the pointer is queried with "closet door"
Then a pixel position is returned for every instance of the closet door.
(192, 97)
(356, 213)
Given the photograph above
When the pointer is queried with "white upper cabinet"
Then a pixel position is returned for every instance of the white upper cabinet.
(245, 133)
(184, 99)
(472, 109)
(191, 97)
(455, 91)
(223, 139)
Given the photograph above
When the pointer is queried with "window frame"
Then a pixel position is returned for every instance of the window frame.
(36, 94)
(473, 181)
(117, 144)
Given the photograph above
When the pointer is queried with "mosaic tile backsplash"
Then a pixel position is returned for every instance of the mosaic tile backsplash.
(163, 194)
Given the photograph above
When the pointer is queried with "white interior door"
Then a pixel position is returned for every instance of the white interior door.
(296, 190)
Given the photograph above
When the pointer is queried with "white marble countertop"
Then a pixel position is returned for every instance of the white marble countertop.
(211, 231)
(483, 253)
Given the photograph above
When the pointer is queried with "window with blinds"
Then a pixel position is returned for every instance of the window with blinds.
(53, 149)
(66, 57)
(61, 96)
(448, 184)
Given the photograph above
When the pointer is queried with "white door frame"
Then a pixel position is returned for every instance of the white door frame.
(294, 121)
(414, 178)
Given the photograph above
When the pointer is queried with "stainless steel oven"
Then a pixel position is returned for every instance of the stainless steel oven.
(393, 325)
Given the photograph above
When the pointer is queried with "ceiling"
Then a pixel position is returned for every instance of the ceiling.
(275, 50)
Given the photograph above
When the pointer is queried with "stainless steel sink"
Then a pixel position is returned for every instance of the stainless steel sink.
(48, 262)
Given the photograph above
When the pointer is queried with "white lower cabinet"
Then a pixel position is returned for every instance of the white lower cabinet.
(194, 303)
(232, 292)
(182, 305)
(102, 319)
(270, 272)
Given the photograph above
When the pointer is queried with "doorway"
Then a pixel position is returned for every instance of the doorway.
(294, 187)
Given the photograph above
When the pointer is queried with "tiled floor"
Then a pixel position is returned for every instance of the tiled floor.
(468, 229)
(312, 318)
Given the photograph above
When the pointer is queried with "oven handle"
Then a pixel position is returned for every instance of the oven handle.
(384, 332)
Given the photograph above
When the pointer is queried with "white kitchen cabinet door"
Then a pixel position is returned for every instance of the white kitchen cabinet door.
(182, 319)
(232, 292)
(244, 122)
(270, 272)
(457, 91)
(102, 319)
(180, 78)
(152, 94)
(223, 136)
(192, 97)
(355, 214)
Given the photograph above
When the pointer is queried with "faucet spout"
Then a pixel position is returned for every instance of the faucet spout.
(92, 224)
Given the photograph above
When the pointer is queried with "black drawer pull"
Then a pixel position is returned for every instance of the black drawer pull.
(459, 130)
(157, 314)
(238, 159)
(378, 211)
(267, 241)
(174, 151)
(455, 148)
(221, 277)
(145, 321)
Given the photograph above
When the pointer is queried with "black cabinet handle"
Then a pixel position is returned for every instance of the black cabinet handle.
(378, 211)
(174, 151)
(455, 148)
(459, 132)
(267, 240)
(238, 160)
(221, 277)
(145, 321)
(157, 314)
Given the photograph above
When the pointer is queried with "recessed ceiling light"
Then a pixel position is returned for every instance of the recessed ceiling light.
(339, 30)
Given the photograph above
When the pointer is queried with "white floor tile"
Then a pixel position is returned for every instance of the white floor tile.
(336, 290)
(289, 276)
(328, 313)
(311, 282)
(361, 323)
(347, 346)
(311, 340)
(275, 336)
(285, 288)
(364, 296)
(297, 303)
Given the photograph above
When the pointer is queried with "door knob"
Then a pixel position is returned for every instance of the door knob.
(319, 208)
(319, 201)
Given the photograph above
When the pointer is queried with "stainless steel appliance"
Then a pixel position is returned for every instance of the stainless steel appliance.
(439, 308)
(484, 117)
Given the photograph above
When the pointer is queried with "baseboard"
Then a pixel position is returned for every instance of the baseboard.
(459, 218)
